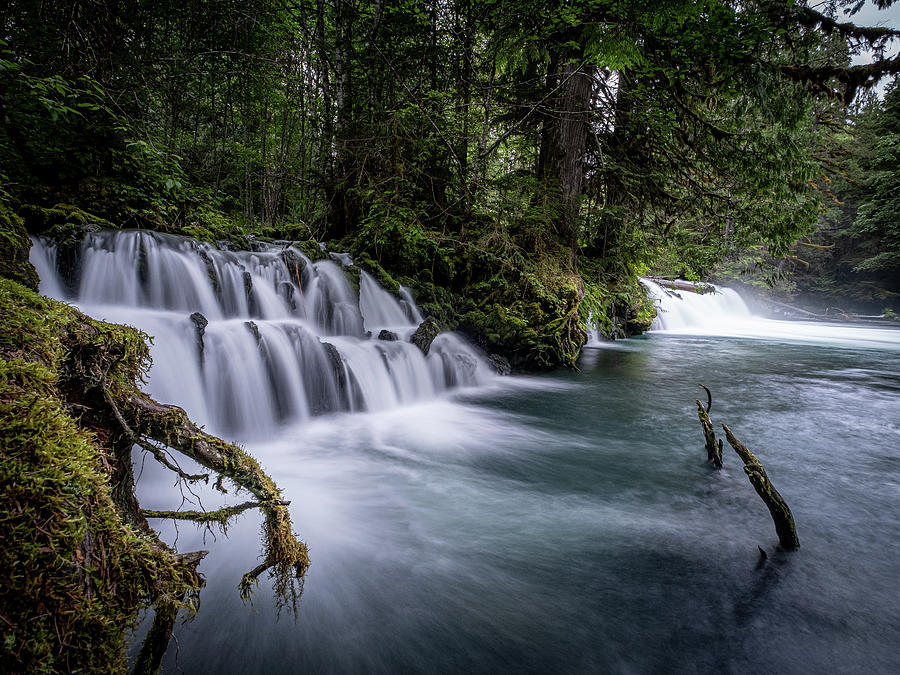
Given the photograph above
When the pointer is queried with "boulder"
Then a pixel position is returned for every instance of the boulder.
(388, 336)
(500, 364)
(425, 334)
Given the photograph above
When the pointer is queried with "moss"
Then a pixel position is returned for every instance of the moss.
(310, 249)
(14, 247)
(61, 220)
(365, 262)
(71, 584)
(619, 308)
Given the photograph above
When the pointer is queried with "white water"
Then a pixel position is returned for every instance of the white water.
(724, 313)
(264, 358)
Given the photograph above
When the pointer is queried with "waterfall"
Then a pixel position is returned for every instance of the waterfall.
(723, 312)
(688, 311)
(248, 340)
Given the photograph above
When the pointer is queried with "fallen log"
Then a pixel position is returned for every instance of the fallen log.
(683, 285)
(778, 508)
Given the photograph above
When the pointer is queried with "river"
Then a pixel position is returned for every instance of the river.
(569, 522)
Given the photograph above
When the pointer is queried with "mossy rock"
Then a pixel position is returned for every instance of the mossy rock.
(61, 221)
(311, 249)
(365, 262)
(73, 572)
(15, 245)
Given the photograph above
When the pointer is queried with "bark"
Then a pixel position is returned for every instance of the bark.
(564, 142)
(713, 447)
(778, 508)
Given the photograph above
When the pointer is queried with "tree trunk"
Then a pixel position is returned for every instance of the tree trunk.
(564, 151)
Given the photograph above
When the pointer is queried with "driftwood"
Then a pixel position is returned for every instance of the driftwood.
(713, 447)
(781, 513)
(684, 285)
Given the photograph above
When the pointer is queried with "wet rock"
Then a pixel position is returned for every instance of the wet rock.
(425, 334)
(210, 269)
(294, 262)
(466, 364)
(254, 329)
(340, 375)
(388, 336)
(286, 289)
(500, 364)
(200, 323)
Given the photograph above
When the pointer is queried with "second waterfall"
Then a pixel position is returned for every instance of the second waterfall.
(245, 341)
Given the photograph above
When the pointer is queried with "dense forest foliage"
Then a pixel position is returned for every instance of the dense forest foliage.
(518, 164)
(852, 260)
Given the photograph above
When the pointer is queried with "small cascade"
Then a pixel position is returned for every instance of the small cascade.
(594, 334)
(724, 313)
(246, 341)
(686, 311)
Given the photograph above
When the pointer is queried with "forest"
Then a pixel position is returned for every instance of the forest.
(517, 165)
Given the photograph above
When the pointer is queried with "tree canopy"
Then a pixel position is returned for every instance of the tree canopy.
(479, 146)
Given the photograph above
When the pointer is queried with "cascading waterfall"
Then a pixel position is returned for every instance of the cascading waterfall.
(245, 341)
(724, 313)
(684, 310)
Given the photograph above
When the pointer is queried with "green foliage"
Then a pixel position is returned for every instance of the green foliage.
(394, 235)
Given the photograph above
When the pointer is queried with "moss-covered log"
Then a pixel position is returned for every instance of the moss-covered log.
(778, 508)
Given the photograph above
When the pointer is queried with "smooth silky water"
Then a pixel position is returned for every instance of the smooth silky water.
(569, 522)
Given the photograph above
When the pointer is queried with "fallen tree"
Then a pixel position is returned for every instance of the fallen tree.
(713, 446)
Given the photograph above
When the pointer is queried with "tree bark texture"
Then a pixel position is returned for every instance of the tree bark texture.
(778, 508)
(713, 447)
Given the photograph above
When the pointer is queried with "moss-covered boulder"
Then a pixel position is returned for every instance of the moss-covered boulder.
(73, 569)
(14, 247)
(79, 559)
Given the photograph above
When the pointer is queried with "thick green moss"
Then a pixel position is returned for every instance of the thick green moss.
(72, 572)
(14, 247)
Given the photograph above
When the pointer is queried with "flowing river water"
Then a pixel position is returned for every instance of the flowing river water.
(460, 522)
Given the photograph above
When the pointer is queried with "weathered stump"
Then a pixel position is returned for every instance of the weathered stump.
(778, 508)
(713, 447)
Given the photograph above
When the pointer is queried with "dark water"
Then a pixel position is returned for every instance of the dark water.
(569, 523)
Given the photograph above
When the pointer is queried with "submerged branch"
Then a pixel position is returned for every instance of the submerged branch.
(713, 448)
(778, 508)
(285, 555)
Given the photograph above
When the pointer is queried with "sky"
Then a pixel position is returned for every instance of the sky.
(870, 15)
